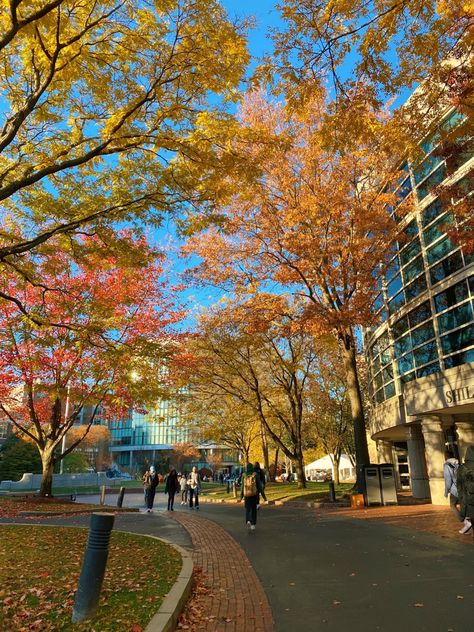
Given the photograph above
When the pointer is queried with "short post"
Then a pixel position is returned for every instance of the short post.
(120, 497)
(228, 487)
(234, 490)
(332, 492)
(93, 567)
(102, 494)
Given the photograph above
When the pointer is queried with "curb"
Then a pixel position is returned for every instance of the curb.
(166, 618)
(278, 503)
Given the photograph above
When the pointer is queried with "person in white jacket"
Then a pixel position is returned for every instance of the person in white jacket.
(194, 488)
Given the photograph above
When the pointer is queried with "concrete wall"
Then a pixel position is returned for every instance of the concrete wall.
(32, 482)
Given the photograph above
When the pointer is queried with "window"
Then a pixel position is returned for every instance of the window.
(405, 189)
(378, 381)
(431, 212)
(428, 370)
(457, 340)
(415, 288)
(419, 314)
(440, 250)
(431, 181)
(402, 345)
(389, 390)
(410, 251)
(436, 230)
(445, 268)
(422, 334)
(450, 297)
(396, 303)
(394, 286)
(455, 318)
(413, 269)
(408, 377)
(405, 363)
(400, 327)
(426, 167)
(378, 302)
(379, 396)
(426, 353)
(393, 268)
(459, 358)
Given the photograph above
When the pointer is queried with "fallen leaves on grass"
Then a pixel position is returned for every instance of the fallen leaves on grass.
(39, 572)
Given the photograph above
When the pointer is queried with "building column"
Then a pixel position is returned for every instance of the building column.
(416, 458)
(131, 459)
(433, 435)
(465, 433)
(384, 451)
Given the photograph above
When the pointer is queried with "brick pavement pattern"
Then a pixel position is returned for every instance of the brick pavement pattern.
(237, 601)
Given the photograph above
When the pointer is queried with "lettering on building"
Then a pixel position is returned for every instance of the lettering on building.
(459, 395)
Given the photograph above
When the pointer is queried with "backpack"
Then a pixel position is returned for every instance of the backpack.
(250, 485)
(469, 486)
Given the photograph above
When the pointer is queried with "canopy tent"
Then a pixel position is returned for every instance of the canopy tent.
(324, 464)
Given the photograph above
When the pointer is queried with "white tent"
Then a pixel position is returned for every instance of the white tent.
(346, 469)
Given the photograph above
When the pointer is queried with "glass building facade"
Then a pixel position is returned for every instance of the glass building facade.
(426, 335)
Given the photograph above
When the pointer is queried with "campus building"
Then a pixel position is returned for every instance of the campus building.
(421, 355)
(142, 439)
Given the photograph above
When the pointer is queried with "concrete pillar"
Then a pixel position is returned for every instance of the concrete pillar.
(130, 465)
(384, 451)
(465, 433)
(434, 453)
(416, 458)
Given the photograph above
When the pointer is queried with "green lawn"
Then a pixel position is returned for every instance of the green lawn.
(291, 492)
(39, 571)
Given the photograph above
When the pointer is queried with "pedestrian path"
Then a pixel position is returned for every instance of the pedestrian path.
(236, 601)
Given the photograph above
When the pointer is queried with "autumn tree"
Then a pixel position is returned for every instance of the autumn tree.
(310, 218)
(183, 453)
(107, 325)
(99, 100)
(93, 441)
(259, 365)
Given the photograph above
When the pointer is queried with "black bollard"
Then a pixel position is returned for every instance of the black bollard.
(332, 492)
(93, 567)
(120, 497)
(228, 487)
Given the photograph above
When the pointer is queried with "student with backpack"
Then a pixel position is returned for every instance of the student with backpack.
(465, 481)
(251, 488)
(450, 475)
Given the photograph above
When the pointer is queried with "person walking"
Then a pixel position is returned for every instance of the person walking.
(171, 488)
(465, 485)
(194, 488)
(450, 488)
(261, 475)
(150, 483)
(250, 490)
(183, 484)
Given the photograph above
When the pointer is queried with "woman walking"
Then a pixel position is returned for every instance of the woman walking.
(171, 488)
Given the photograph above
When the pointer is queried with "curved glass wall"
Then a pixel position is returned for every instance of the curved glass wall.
(438, 332)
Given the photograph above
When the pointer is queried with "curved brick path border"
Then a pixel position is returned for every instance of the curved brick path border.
(241, 603)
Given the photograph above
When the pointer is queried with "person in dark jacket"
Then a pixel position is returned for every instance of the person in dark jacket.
(465, 483)
(251, 488)
(261, 475)
(171, 488)
(150, 483)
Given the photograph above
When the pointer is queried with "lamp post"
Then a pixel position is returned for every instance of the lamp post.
(66, 415)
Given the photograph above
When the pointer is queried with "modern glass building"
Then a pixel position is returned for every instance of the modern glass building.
(421, 356)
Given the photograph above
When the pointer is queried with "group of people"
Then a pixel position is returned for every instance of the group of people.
(189, 487)
(459, 486)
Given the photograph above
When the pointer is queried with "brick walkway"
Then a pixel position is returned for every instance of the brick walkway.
(238, 602)
(434, 519)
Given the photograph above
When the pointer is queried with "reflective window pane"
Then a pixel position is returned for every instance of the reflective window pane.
(450, 297)
(394, 286)
(408, 377)
(413, 269)
(396, 303)
(415, 288)
(440, 250)
(428, 370)
(410, 251)
(402, 345)
(419, 314)
(431, 181)
(422, 334)
(426, 167)
(426, 353)
(389, 390)
(445, 268)
(455, 318)
(459, 339)
(437, 230)
(459, 358)
(405, 363)
(392, 268)
(400, 327)
(431, 212)
(378, 381)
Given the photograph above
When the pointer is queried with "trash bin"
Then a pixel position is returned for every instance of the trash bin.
(373, 493)
(387, 484)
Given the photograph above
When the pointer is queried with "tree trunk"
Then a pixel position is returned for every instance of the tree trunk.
(357, 411)
(266, 460)
(47, 460)
(299, 467)
(337, 460)
(273, 475)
